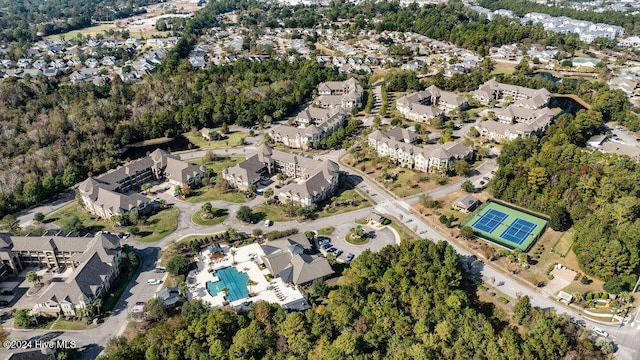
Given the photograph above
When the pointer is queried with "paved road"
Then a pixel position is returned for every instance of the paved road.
(94, 340)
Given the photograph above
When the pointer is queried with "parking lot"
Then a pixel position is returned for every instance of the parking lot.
(377, 240)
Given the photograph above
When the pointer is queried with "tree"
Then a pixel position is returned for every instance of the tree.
(466, 232)
(522, 309)
(177, 265)
(268, 193)
(468, 186)
(225, 128)
(97, 304)
(244, 214)
(154, 309)
(250, 284)
(559, 219)
(461, 167)
(207, 208)
(257, 232)
(474, 132)
(233, 253)
(39, 217)
(22, 318)
(10, 223)
(145, 187)
(33, 278)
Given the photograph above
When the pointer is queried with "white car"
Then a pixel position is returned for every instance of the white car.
(600, 332)
(268, 223)
(154, 282)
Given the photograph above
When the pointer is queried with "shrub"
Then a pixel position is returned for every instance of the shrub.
(503, 300)
(585, 280)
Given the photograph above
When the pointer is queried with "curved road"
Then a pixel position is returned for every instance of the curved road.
(93, 341)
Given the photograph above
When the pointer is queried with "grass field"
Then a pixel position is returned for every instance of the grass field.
(210, 193)
(62, 324)
(89, 222)
(159, 225)
(220, 163)
(220, 216)
(233, 139)
(499, 232)
(93, 30)
(326, 231)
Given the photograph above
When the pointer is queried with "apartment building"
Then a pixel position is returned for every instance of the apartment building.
(517, 95)
(313, 180)
(113, 193)
(346, 94)
(94, 262)
(430, 103)
(313, 126)
(430, 158)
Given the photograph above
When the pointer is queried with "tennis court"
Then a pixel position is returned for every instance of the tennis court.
(507, 226)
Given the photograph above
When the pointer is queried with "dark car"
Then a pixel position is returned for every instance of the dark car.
(332, 250)
(326, 246)
(339, 252)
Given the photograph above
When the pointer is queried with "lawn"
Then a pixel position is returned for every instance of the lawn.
(62, 324)
(159, 225)
(503, 68)
(220, 163)
(234, 138)
(210, 193)
(276, 212)
(220, 216)
(326, 231)
(89, 222)
(345, 199)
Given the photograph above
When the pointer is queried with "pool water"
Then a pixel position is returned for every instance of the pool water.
(233, 280)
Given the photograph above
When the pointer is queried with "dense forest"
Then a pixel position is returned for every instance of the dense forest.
(22, 21)
(405, 302)
(53, 135)
(598, 192)
(630, 22)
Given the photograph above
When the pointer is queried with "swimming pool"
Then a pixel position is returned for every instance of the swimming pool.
(233, 280)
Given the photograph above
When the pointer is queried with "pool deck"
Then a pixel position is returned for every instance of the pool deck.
(247, 259)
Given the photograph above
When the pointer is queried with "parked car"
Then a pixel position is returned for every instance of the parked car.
(331, 250)
(159, 270)
(326, 246)
(486, 178)
(61, 269)
(139, 302)
(600, 332)
(350, 257)
(339, 252)
(154, 282)
(323, 241)
(493, 172)
(481, 182)
(268, 223)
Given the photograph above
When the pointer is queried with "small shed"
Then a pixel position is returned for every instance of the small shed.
(465, 203)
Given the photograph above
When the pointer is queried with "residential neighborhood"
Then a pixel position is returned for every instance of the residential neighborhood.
(291, 179)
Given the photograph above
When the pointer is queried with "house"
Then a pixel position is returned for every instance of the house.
(465, 203)
(170, 296)
(107, 195)
(290, 259)
(95, 263)
(316, 179)
(429, 103)
(340, 93)
(43, 353)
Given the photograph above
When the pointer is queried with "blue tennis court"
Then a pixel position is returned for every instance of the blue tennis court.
(518, 231)
(490, 220)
